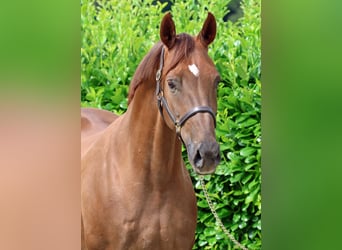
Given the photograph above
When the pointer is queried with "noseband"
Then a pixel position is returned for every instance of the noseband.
(163, 103)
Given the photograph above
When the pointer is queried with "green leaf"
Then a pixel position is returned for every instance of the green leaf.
(249, 122)
(241, 71)
(223, 213)
(250, 159)
(236, 218)
(247, 151)
(252, 196)
(209, 231)
(202, 243)
(212, 240)
(247, 178)
(236, 177)
(202, 203)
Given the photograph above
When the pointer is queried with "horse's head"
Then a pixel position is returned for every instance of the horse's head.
(187, 91)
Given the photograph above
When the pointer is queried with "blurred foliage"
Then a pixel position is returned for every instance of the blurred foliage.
(116, 35)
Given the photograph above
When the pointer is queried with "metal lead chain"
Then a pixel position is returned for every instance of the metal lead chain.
(218, 220)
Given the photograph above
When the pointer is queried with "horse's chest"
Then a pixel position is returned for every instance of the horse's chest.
(158, 223)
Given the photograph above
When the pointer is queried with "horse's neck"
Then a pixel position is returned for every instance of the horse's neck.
(153, 145)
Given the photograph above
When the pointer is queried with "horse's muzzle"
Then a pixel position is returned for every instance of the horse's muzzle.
(204, 156)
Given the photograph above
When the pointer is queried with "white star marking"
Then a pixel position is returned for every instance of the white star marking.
(194, 70)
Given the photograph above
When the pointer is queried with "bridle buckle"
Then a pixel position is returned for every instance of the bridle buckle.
(158, 74)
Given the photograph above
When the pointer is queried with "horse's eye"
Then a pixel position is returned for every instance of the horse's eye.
(217, 81)
(217, 84)
(172, 84)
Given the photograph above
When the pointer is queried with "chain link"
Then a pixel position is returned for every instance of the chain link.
(218, 220)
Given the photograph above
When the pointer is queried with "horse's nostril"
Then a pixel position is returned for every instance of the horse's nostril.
(198, 160)
(204, 155)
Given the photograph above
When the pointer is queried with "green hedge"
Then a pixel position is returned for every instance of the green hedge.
(114, 40)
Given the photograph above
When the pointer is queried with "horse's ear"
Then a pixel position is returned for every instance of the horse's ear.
(168, 31)
(208, 32)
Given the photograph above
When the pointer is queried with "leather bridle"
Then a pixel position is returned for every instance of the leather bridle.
(163, 103)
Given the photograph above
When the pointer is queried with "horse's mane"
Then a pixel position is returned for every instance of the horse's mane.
(147, 69)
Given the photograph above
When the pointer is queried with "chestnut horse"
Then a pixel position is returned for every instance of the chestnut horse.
(135, 190)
